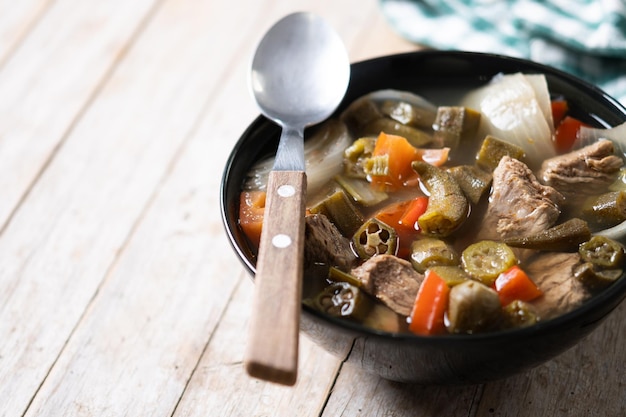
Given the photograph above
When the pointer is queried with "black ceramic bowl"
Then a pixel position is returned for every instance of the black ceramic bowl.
(447, 359)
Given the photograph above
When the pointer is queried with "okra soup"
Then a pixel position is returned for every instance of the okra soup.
(457, 212)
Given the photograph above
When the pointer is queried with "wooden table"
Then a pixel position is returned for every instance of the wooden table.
(119, 294)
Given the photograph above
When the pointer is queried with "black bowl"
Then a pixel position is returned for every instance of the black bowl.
(447, 359)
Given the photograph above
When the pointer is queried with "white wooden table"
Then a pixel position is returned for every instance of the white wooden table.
(119, 294)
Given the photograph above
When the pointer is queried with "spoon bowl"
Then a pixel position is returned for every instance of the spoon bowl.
(300, 71)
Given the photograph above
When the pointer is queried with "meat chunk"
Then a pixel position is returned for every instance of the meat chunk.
(562, 292)
(519, 205)
(324, 244)
(390, 279)
(583, 172)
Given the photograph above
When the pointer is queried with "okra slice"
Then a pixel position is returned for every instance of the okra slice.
(472, 308)
(603, 252)
(416, 137)
(356, 154)
(452, 275)
(454, 125)
(474, 181)
(519, 314)
(360, 114)
(487, 259)
(595, 278)
(337, 275)
(429, 252)
(375, 238)
(564, 237)
(341, 299)
(407, 114)
(493, 149)
(606, 210)
(447, 205)
(340, 211)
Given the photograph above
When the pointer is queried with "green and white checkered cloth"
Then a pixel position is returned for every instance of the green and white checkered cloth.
(586, 38)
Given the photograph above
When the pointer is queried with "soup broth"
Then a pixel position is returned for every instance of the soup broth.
(457, 211)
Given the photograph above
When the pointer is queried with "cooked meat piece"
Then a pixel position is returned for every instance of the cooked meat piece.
(583, 172)
(552, 272)
(324, 244)
(392, 280)
(519, 205)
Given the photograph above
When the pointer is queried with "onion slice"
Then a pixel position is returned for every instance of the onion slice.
(516, 108)
(323, 157)
(588, 135)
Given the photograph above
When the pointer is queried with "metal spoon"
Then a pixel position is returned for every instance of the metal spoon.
(300, 73)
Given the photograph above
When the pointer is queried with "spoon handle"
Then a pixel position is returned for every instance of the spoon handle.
(272, 350)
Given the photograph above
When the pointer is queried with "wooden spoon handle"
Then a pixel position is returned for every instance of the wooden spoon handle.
(272, 350)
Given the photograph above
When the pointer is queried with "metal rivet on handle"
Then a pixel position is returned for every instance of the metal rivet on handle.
(281, 241)
(286, 190)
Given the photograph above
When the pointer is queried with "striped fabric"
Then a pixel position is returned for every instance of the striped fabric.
(586, 38)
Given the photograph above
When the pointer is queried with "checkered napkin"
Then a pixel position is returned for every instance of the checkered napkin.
(586, 38)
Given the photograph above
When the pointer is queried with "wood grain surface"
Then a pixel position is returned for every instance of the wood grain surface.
(119, 294)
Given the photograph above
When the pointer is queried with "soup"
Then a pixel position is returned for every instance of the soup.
(492, 209)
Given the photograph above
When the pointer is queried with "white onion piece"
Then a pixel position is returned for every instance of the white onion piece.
(323, 157)
(540, 85)
(589, 135)
(513, 109)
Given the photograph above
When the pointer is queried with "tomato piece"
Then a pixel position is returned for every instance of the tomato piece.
(514, 284)
(251, 212)
(415, 209)
(559, 110)
(403, 217)
(391, 215)
(427, 316)
(400, 154)
(436, 157)
(566, 133)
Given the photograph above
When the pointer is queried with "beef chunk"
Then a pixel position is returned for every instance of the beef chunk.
(519, 205)
(324, 244)
(583, 172)
(392, 280)
(562, 292)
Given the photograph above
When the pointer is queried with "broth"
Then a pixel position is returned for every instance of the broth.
(465, 253)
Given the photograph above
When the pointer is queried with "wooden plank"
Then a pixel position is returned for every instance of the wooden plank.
(359, 393)
(586, 380)
(17, 18)
(77, 218)
(145, 330)
(221, 385)
(51, 77)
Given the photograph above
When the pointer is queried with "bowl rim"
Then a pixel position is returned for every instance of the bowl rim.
(612, 296)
